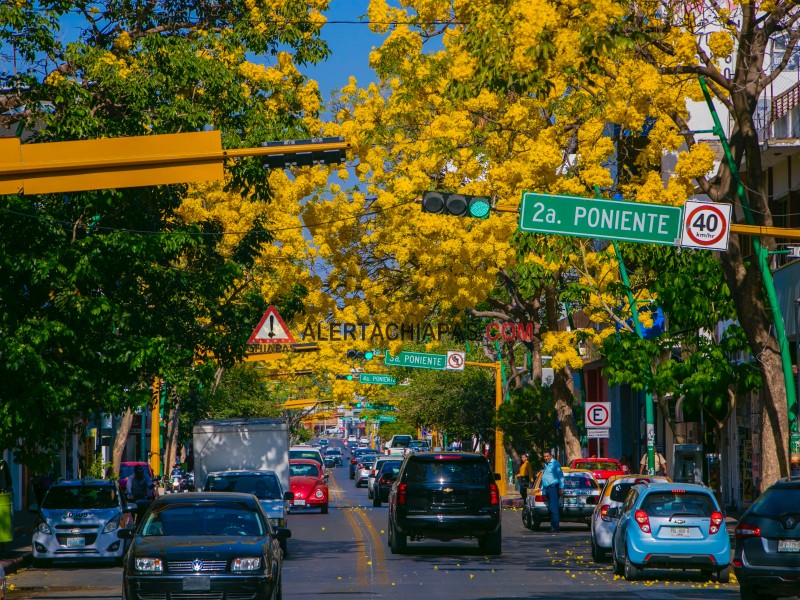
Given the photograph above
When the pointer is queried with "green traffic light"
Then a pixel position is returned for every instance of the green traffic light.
(479, 208)
(349, 378)
(368, 355)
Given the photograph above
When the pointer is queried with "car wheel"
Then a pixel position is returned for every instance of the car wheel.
(284, 549)
(492, 543)
(398, 542)
(369, 493)
(358, 484)
(724, 575)
(597, 554)
(376, 500)
(278, 595)
(526, 518)
(324, 509)
(535, 524)
(631, 570)
(618, 566)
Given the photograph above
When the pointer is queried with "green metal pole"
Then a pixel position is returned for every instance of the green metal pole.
(766, 274)
(649, 412)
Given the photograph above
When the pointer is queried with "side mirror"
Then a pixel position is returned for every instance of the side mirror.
(288, 496)
(282, 533)
(613, 512)
(126, 534)
(497, 476)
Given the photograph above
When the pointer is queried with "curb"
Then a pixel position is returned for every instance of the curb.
(12, 565)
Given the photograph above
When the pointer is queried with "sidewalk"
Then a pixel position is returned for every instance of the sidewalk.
(16, 554)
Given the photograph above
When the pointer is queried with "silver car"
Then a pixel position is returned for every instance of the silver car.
(363, 468)
(376, 467)
(79, 519)
(263, 484)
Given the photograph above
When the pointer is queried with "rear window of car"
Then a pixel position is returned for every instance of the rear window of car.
(456, 471)
(126, 471)
(391, 466)
(619, 491)
(303, 470)
(263, 485)
(332, 451)
(777, 501)
(572, 482)
(597, 465)
(669, 503)
(80, 497)
(312, 454)
(368, 459)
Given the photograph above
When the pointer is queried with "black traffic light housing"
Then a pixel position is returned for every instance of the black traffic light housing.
(360, 355)
(344, 378)
(458, 205)
(304, 158)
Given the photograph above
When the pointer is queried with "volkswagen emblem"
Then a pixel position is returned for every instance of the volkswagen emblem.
(789, 522)
(197, 565)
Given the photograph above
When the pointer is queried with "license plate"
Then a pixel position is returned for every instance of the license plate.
(679, 531)
(299, 502)
(570, 501)
(197, 583)
(76, 542)
(788, 545)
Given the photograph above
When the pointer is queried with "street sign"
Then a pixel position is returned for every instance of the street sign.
(706, 225)
(598, 415)
(386, 419)
(594, 434)
(271, 330)
(599, 218)
(417, 360)
(376, 378)
(455, 361)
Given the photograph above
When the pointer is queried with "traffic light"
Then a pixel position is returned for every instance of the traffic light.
(344, 378)
(359, 355)
(458, 205)
(307, 157)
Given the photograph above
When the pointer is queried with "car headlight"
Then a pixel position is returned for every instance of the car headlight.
(246, 564)
(149, 565)
(43, 527)
(112, 525)
(277, 522)
(319, 493)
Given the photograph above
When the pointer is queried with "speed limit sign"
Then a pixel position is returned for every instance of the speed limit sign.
(706, 225)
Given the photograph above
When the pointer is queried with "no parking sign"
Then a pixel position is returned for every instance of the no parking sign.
(598, 415)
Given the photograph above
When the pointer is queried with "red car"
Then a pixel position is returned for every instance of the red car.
(307, 483)
(601, 468)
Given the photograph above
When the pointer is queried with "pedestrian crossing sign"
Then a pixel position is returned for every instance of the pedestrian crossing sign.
(271, 330)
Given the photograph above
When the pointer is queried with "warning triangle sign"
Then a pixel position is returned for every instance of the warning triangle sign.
(271, 330)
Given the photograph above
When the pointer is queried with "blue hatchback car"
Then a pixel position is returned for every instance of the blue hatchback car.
(665, 525)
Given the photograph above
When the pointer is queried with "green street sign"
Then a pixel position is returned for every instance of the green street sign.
(599, 218)
(418, 360)
(376, 378)
(386, 419)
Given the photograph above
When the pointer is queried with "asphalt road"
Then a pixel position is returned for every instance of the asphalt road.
(344, 554)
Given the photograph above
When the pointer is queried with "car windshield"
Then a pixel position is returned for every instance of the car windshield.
(391, 466)
(312, 454)
(468, 472)
(777, 501)
(368, 459)
(417, 444)
(80, 497)
(303, 470)
(669, 503)
(332, 451)
(264, 486)
(203, 518)
(574, 482)
(595, 465)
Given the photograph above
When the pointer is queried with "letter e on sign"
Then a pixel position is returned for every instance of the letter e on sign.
(598, 415)
(706, 225)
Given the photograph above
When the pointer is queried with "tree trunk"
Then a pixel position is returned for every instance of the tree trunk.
(563, 392)
(171, 437)
(122, 438)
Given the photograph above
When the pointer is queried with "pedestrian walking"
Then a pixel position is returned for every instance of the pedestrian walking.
(661, 463)
(552, 485)
(524, 476)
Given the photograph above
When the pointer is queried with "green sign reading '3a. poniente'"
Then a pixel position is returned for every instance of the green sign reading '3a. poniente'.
(376, 378)
(418, 360)
(599, 218)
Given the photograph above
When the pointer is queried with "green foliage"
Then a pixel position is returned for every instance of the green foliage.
(528, 420)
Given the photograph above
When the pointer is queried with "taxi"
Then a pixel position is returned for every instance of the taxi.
(576, 504)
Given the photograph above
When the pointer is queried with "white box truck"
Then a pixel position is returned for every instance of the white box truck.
(231, 444)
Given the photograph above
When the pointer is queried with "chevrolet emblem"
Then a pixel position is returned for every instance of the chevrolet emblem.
(447, 490)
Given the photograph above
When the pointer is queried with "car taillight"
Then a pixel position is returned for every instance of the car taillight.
(372, 473)
(643, 520)
(716, 522)
(494, 495)
(359, 467)
(745, 531)
(383, 481)
(539, 499)
(604, 513)
(353, 461)
(401, 493)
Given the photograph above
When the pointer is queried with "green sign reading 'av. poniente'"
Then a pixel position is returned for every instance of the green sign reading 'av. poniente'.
(599, 218)
(417, 360)
(376, 378)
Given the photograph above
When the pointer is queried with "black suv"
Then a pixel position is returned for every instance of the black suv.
(444, 496)
(767, 554)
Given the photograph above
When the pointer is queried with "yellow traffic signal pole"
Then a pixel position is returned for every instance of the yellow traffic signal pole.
(155, 428)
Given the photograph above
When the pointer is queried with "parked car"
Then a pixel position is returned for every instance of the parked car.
(172, 554)
(665, 525)
(576, 504)
(384, 480)
(264, 485)
(766, 557)
(373, 473)
(308, 452)
(308, 485)
(78, 521)
(601, 468)
(363, 468)
(445, 496)
(333, 457)
(613, 495)
(355, 455)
